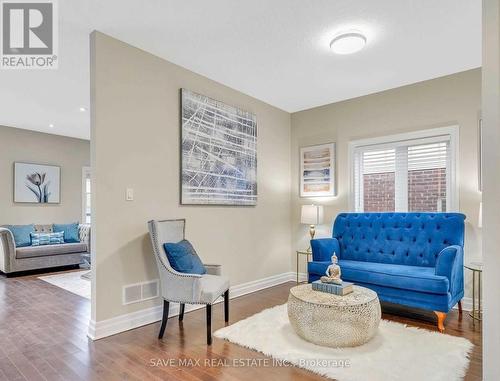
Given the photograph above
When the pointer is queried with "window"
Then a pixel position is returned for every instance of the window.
(406, 173)
(86, 195)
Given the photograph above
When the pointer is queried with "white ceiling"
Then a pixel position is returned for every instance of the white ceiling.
(276, 51)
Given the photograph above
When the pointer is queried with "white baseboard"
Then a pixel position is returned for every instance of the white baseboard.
(122, 323)
(260, 284)
(108, 327)
(302, 277)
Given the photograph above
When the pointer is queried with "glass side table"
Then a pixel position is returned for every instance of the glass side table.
(307, 254)
(476, 268)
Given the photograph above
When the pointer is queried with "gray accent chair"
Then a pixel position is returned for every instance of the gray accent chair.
(181, 287)
(16, 259)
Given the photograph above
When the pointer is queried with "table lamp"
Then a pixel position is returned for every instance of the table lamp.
(311, 215)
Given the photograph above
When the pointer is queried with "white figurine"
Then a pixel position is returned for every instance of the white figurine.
(333, 272)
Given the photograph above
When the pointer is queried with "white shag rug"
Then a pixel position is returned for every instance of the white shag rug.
(397, 352)
(72, 282)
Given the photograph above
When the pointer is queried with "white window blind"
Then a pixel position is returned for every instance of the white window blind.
(379, 161)
(428, 156)
(412, 175)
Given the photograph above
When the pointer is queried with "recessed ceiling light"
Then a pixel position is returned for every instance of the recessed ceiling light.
(348, 43)
(83, 109)
(51, 125)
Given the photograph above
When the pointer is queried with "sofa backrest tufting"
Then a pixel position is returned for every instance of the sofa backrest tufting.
(413, 239)
(47, 228)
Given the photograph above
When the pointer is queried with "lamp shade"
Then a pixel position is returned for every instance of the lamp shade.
(311, 214)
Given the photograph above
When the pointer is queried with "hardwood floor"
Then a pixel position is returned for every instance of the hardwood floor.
(43, 337)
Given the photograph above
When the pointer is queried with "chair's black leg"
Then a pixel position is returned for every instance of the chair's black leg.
(226, 306)
(164, 319)
(209, 324)
(181, 312)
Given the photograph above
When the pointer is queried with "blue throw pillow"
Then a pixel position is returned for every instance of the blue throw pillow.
(38, 239)
(22, 234)
(70, 232)
(183, 257)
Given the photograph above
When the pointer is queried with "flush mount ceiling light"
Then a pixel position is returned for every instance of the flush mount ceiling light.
(348, 43)
(83, 109)
(51, 125)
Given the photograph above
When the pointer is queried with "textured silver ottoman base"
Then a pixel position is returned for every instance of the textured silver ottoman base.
(331, 320)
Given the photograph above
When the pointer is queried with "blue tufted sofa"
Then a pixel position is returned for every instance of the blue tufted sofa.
(414, 259)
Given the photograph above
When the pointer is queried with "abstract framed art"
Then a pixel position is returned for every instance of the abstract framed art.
(37, 183)
(218, 152)
(317, 171)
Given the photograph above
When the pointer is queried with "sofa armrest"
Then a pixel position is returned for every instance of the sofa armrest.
(449, 263)
(323, 248)
(7, 250)
(213, 269)
(84, 235)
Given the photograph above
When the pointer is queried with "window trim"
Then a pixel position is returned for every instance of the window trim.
(85, 171)
(452, 131)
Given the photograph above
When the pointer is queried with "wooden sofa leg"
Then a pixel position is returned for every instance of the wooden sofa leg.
(440, 316)
(460, 308)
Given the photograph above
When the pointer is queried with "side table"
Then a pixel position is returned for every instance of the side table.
(307, 254)
(476, 268)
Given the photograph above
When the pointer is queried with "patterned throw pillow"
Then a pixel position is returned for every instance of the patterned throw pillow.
(38, 239)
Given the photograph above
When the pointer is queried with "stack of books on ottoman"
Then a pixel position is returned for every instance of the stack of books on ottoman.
(332, 288)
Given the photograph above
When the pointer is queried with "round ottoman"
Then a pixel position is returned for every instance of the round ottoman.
(331, 320)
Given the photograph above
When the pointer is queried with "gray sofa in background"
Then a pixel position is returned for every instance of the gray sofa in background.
(15, 259)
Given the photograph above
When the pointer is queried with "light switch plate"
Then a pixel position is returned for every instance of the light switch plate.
(129, 196)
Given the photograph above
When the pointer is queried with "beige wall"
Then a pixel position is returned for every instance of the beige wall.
(491, 193)
(135, 132)
(135, 143)
(35, 147)
(451, 100)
